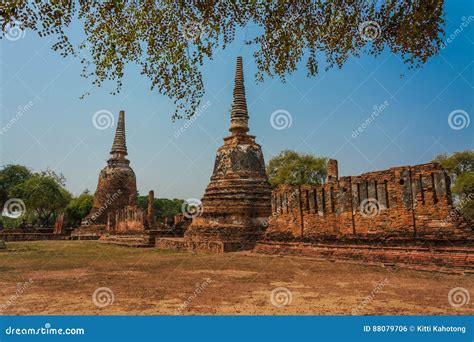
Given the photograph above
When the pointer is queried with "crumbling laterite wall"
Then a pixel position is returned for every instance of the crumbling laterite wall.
(399, 203)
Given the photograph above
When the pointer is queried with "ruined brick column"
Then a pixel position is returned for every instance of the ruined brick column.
(150, 214)
(117, 186)
(237, 201)
(332, 170)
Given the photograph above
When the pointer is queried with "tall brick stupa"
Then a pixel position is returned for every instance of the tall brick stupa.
(237, 202)
(117, 185)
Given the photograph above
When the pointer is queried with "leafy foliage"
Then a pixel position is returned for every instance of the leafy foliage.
(294, 168)
(164, 207)
(169, 40)
(11, 176)
(43, 194)
(460, 166)
(78, 208)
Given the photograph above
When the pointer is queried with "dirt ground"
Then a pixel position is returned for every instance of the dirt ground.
(85, 277)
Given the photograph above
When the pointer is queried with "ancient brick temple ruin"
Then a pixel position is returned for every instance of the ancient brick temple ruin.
(116, 188)
(236, 204)
(403, 215)
(401, 203)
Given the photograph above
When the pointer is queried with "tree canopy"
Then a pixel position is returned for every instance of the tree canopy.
(164, 207)
(170, 40)
(290, 167)
(44, 194)
(78, 208)
(10, 176)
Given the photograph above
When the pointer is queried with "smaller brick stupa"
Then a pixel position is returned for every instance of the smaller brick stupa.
(236, 205)
(116, 188)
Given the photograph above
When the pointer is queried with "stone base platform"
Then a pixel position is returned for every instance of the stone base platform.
(183, 244)
(92, 232)
(130, 240)
(444, 259)
(12, 237)
(2, 244)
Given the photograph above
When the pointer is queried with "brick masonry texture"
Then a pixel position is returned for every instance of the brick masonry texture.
(401, 203)
(446, 259)
(117, 185)
(236, 203)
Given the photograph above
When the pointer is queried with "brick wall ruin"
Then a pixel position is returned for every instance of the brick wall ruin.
(399, 203)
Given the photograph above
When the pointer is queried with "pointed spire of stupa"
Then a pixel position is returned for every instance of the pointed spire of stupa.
(239, 116)
(119, 147)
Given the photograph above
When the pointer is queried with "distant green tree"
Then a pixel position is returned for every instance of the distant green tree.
(290, 167)
(164, 207)
(44, 195)
(460, 167)
(10, 176)
(78, 208)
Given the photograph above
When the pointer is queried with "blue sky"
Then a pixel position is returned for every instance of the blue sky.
(57, 130)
